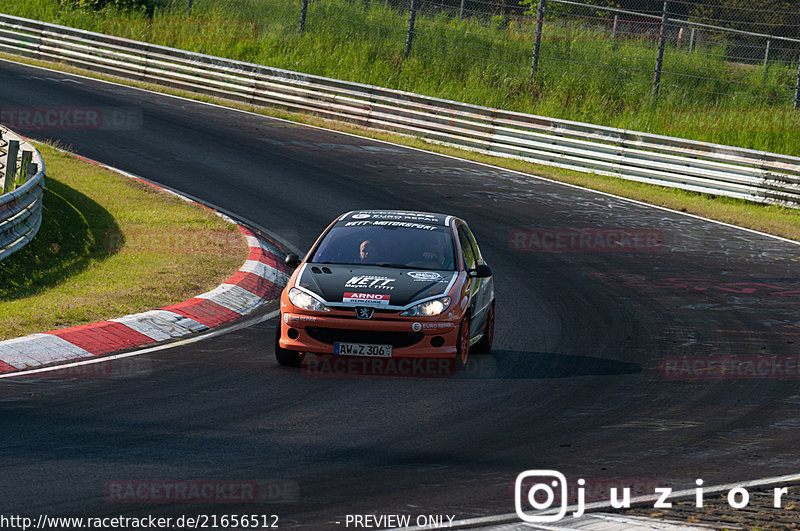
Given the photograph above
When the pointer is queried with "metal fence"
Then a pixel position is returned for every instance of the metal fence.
(719, 48)
(697, 166)
(22, 174)
(674, 52)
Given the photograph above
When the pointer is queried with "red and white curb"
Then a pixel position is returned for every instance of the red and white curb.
(260, 279)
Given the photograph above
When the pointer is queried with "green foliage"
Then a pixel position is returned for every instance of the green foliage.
(583, 74)
(146, 6)
(776, 17)
(499, 22)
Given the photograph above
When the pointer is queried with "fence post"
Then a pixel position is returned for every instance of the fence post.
(461, 10)
(410, 36)
(11, 166)
(24, 162)
(766, 56)
(538, 41)
(614, 27)
(797, 86)
(303, 11)
(662, 37)
(691, 41)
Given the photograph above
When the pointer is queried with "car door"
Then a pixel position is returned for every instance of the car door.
(474, 284)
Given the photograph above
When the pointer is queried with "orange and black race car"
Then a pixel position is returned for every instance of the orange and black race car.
(388, 284)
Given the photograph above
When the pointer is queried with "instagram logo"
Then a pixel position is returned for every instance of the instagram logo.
(541, 495)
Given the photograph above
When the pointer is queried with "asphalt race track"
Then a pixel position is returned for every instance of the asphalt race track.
(585, 377)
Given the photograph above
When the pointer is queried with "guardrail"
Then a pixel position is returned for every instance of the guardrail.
(674, 162)
(22, 173)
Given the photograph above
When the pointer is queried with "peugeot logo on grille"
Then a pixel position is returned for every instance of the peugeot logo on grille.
(364, 313)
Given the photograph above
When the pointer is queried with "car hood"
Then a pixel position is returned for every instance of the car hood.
(356, 285)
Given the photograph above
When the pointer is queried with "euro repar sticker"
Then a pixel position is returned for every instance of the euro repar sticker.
(397, 216)
(289, 318)
(416, 327)
(378, 299)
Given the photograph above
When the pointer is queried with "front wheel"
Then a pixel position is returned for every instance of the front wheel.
(287, 358)
(462, 353)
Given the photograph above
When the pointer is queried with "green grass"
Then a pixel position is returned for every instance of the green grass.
(479, 60)
(110, 246)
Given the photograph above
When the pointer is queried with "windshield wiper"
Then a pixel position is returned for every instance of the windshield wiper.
(396, 266)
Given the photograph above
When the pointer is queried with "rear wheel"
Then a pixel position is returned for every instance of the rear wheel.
(484, 346)
(285, 357)
(462, 352)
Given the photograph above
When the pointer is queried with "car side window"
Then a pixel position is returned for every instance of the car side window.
(466, 247)
(475, 248)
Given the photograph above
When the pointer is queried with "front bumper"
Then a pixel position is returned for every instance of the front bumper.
(409, 337)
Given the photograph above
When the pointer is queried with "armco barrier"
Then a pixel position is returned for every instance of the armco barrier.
(22, 172)
(691, 165)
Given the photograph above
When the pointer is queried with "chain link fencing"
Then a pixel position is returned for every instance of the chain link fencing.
(721, 71)
(710, 53)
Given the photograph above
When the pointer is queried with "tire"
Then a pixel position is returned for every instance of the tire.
(484, 346)
(287, 358)
(462, 349)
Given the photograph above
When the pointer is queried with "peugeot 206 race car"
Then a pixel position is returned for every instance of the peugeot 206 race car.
(388, 284)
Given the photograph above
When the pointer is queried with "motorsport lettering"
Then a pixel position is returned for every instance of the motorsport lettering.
(389, 224)
(370, 282)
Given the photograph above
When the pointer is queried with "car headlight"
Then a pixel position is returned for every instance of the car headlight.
(428, 308)
(306, 301)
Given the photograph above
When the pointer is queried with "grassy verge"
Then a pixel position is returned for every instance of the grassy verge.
(110, 246)
(780, 221)
(583, 74)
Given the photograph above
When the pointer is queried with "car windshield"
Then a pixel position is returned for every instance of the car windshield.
(421, 247)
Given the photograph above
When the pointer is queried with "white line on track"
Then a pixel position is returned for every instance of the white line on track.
(181, 342)
(513, 518)
(484, 164)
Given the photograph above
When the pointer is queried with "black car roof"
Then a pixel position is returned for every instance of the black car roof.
(367, 217)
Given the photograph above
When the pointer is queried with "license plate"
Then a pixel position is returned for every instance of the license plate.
(361, 349)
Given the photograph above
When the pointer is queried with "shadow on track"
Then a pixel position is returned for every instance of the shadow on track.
(516, 364)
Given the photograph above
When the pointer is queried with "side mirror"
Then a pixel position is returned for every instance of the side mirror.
(292, 260)
(482, 271)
